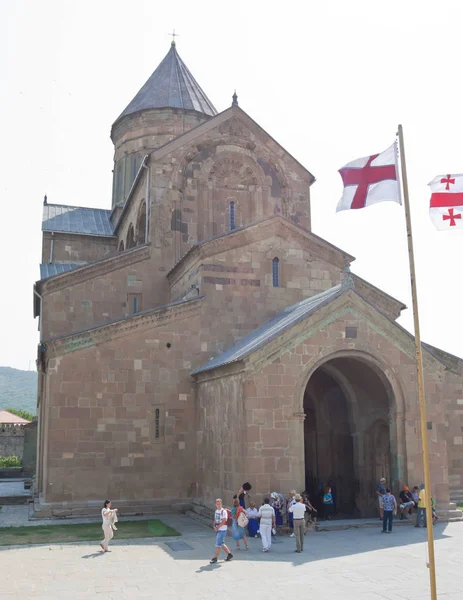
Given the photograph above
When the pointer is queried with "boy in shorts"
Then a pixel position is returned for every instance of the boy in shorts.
(220, 528)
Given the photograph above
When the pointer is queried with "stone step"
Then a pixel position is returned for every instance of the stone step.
(192, 514)
(126, 509)
(10, 500)
(450, 515)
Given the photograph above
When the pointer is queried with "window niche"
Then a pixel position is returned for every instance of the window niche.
(276, 271)
(232, 215)
(158, 424)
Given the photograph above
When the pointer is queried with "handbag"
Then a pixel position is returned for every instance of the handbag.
(242, 520)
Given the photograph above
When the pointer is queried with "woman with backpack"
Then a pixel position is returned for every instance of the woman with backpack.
(239, 522)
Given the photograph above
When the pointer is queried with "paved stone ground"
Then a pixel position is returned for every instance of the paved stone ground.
(357, 564)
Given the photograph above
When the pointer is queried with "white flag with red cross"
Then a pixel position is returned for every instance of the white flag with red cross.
(446, 206)
(370, 180)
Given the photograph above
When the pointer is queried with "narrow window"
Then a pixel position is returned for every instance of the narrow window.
(276, 272)
(134, 167)
(232, 215)
(134, 303)
(118, 181)
(157, 424)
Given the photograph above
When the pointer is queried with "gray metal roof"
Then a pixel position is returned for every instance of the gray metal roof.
(171, 85)
(76, 219)
(52, 269)
(273, 328)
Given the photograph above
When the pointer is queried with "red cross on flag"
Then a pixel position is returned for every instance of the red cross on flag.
(446, 206)
(370, 180)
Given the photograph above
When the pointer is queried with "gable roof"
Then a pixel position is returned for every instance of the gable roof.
(7, 417)
(273, 328)
(218, 119)
(171, 85)
(52, 269)
(214, 245)
(298, 312)
(76, 219)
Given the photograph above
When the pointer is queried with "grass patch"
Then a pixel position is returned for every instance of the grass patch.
(460, 505)
(82, 532)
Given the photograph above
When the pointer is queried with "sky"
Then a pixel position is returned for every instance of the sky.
(330, 81)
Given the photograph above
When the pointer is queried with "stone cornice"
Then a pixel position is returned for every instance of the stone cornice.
(121, 327)
(395, 306)
(94, 269)
(276, 225)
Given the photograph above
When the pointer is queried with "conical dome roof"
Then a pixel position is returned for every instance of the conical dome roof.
(171, 86)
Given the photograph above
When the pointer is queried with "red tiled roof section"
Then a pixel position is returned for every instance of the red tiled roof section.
(7, 417)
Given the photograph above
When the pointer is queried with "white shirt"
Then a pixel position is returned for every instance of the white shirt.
(219, 516)
(298, 510)
(252, 512)
(266, 514)
(106, 521)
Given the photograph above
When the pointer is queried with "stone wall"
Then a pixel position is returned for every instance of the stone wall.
(223, 463)
(121, 414)
(69, 248)
(30, 448)
(11, 440)
(97, 293)
(453, 426)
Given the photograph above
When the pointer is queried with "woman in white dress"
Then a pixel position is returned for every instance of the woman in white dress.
(109, 516)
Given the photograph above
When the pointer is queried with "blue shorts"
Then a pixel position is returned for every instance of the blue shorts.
(220, 538)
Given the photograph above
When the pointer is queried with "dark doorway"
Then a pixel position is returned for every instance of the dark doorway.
(346, 436)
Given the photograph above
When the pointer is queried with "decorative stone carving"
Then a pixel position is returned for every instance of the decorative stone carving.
(231, 173)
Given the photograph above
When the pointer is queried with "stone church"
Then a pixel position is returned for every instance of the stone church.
(198, 334)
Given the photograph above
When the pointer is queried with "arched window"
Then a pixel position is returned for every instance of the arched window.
(276, 272)
(121, 246)
(130, 237)
(231, 215)
(141, 225)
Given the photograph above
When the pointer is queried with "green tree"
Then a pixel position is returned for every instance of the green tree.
(24, 414)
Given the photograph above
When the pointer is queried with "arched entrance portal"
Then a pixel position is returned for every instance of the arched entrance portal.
(347, 434)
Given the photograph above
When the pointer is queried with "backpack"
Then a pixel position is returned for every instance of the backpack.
(229, 518)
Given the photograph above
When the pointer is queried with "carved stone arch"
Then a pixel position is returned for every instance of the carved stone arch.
(235, 171)
(130, 243)
(208, 153)
(383, 369)
(140, 232)
(121, 246)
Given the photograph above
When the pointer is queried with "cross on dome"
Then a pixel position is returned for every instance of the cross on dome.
(174, 35)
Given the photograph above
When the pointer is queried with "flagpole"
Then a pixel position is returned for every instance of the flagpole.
(419, 370)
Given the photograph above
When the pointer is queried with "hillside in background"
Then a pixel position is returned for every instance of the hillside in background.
(18, 389)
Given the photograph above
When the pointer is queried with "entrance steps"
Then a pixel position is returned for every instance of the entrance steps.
(457, 496)
(202, 514)
(127, 508)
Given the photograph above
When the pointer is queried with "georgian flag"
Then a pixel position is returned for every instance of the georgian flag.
(370, 180)
(446, 206)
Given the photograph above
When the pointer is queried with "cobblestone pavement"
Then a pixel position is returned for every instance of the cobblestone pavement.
(357, 564)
